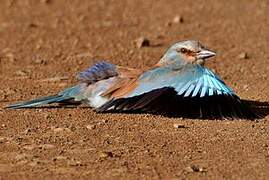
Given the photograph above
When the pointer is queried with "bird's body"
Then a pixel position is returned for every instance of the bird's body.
(178, 82)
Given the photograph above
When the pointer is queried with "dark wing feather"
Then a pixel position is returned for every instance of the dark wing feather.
(166, 101)
(137, 103)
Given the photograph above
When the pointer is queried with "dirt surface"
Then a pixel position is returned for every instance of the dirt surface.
(45, 43)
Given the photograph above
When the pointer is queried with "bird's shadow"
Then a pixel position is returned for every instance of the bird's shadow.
(261, 109)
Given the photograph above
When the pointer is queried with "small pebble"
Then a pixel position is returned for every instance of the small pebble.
(142, 42)
(265, 145)
(178, 19)
(2, 139)
(32, 25)
(168, 23)
(84, 55)
(46, 146)
(176, 125)
(29, 147)
(243, 55)
(245, 87)
(61, 130)
(10, 56)
(27, 131)
(39, 61)
(195, 168)
(36, 162)
(46, 1)
(105, 154)
(104, 121)
(62, 84)
(91, 126)
(21, 73)
(47, 116)
(74, 163)
(59, 158)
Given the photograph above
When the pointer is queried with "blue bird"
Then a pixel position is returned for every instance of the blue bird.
(178, 84)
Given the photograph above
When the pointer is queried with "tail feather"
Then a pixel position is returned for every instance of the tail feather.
(39, 101)
(66, 95)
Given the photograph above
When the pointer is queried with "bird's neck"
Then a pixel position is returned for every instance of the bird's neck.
(171, 60)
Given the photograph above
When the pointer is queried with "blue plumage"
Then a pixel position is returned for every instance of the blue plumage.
(66, 95)
(99, 71)
(191, 81)
(178, 83)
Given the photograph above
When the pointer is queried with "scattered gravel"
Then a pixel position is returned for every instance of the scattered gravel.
(178, 19)
(195, 168)
(176, 125)
(106, 154)
(142, 42)
(243, 55)
(91, 126)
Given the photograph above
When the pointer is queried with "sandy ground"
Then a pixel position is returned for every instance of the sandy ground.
(45, 43)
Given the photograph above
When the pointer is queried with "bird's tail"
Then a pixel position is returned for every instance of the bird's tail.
(65, 96)
(38, 102)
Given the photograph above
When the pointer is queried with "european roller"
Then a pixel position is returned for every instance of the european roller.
(178, 84)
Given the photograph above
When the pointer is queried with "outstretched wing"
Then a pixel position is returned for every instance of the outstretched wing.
(188, 82)
(193, 86)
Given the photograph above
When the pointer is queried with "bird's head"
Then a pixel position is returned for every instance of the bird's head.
(186, 52)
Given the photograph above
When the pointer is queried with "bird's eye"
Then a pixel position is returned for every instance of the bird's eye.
(183, 50)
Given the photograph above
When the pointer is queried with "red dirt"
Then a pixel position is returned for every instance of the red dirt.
(44, 39)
